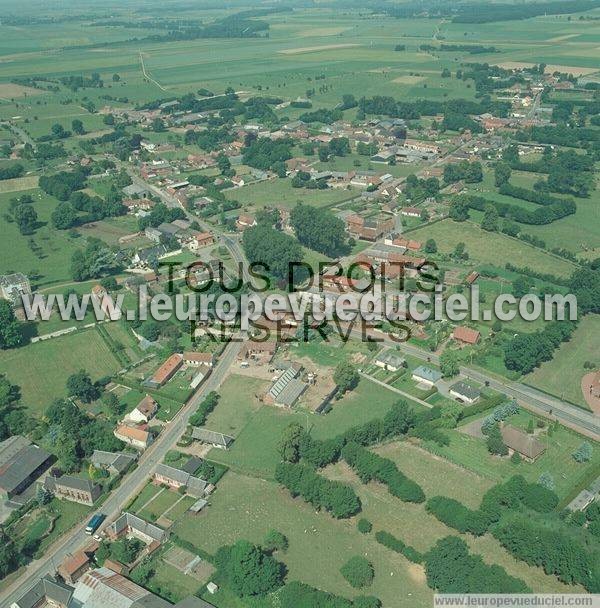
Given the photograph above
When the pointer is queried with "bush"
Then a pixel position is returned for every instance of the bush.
(395, 544)
(364, 526)
(358, 571)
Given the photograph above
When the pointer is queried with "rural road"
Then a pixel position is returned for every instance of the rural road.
(572, 416)
(131, 484)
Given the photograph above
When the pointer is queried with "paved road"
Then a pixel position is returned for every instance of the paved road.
(25, 138)
(572, 416)
(129, 487)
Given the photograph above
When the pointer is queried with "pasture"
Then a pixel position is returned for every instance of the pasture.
(568, 362)
(491, 247)
(41, 369)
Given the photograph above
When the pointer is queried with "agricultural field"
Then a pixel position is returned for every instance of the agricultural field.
(34, 367)
(569, 362)
(483, 247)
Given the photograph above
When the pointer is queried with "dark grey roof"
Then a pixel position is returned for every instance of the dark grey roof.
(75, 483)
(206, 436)
(20, 462)
(466, 390)
(388, 357)
(48, 588)
(192, 465)
(193, 602)
(128, 520)
(195, 486)
(119, 461)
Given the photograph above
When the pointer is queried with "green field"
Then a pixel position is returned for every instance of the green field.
(568, 363)
(279, 192)
(491, 247)
(41, 369)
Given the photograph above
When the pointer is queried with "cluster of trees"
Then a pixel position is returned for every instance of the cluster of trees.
(296, 443)
(264, 153)
(75, 435)
(560, 135)
(23, 213)
(206, 406)
(300, 595)
(275, 249)
(12, 171)
(11, 330)
(248, 570)
(554, 549)
(10, 414)
(358, 571)
(388, 106)
(417, 190)
(160, 214)
(323, 115)
(395, 544)
(524, 352)
(210, 139)
(472, 49)
(488, 13)
(319, 229)
(544, 215)
(370, 466)
(450, 568)
(512, 494)
(336, 498)
(82, 82)
(455, 515)
(61, 185)
(302, 179)
(464, 170)
(93, 262)
(346, 377)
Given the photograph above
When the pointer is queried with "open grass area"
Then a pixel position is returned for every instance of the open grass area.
(237, 405)
(161, 502)
(472, 453)
(254, 451)
(562, 375)
(46, 254)
(486, 247)
(280, 192)
(41, 369)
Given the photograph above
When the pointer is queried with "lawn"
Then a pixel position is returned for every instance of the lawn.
(472, 453)
(279, 192)
(162, 501)
(34, 367)
(484, 247)
(562, 375)
(254, 451)
(45, 255)
(237, 405)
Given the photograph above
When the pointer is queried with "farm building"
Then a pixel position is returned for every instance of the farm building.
(21, 463)
(258, 350)
(195, 359)
(73, 567)
(75, 489)
(13, 286)
(176, 478)
(113, 462)
(288, 388)
(167, 370)
(128, 524)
